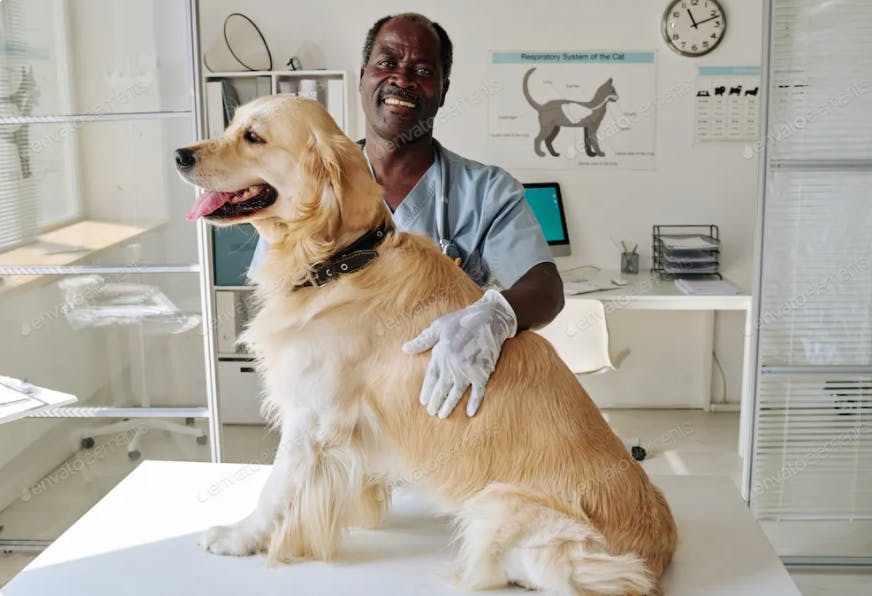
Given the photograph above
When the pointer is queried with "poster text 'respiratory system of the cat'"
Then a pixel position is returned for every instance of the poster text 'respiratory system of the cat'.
(572, 110)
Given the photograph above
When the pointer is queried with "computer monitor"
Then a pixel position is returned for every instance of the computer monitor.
(547, 205)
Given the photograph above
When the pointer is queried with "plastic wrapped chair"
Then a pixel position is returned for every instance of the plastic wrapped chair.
(91, 301)
(580, 336)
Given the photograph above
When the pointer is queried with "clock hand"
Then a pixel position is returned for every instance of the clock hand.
(709, 19)
(695, 24)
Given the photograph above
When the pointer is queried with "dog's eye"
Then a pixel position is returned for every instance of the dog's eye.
(252, 137)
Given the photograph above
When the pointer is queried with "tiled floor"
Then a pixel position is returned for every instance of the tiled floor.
(677, 441)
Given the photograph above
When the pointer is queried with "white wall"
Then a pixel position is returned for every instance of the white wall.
(691, 184)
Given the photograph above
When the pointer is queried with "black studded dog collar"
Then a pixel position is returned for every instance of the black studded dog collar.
(353, 257)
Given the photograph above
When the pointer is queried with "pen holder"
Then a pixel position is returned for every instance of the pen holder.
(629, 262)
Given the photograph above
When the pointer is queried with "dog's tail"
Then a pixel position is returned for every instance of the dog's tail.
(526, 89)
(511, 535)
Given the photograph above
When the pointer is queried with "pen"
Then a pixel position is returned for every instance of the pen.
(634, 248)
(624, 246)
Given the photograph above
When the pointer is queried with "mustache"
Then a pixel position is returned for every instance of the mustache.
(400, 93)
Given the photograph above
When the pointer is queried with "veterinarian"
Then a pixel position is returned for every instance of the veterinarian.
(476, 213)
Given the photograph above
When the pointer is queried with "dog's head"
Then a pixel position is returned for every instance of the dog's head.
(285, 166)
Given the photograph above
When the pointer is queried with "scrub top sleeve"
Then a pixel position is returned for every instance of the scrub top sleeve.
(513, 242)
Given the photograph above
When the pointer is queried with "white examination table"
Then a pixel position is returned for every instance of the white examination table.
(141, 539)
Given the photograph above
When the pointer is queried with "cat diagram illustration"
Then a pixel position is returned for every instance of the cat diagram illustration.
(558, 113)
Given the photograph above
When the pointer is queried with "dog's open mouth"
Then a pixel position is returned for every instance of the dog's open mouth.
(220, 204)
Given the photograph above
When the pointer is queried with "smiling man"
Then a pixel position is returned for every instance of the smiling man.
(476, 213)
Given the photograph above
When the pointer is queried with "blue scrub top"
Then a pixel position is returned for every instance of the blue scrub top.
(489, 221)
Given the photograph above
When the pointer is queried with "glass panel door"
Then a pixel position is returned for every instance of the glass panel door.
(810, 481)
(100, 278)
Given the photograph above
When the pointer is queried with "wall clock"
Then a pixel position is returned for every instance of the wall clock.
(694, 27)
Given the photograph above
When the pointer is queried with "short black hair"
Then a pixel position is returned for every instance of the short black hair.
(446, 49)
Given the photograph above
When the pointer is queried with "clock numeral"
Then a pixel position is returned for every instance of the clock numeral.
(714, 13)
(705, 44)
(675, 36)
(694, 48)
(676, 14)
(717, 24)
(694, 2)
(683, 43)
(714, 35)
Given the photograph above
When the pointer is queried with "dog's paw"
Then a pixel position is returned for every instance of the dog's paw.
(234, 540)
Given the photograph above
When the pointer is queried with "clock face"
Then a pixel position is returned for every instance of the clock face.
(694, 27)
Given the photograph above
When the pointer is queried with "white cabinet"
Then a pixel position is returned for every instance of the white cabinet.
(239, 392)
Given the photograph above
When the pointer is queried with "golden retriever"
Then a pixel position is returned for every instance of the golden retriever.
(543, 493)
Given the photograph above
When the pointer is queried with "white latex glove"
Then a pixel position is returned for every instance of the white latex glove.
(466, 345)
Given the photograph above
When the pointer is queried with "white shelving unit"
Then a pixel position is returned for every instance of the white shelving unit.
(238, 387)
(327, 83)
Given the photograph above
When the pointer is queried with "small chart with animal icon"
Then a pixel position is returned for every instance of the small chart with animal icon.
(727, 106)
(573, 109)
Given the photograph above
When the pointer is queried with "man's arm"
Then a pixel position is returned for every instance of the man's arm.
(537, 297)
(518, 256)
(466, 344)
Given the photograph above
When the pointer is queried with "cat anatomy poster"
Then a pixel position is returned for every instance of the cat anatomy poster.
(573, 110)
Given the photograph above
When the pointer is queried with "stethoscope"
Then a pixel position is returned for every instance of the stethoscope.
(447, 247)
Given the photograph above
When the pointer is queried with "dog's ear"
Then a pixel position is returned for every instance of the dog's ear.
(322, 182)
(328, 168)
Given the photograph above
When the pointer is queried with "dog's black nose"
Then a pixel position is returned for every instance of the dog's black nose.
(185, 159)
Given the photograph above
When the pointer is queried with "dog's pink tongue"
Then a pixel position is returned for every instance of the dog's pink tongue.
(207, 203)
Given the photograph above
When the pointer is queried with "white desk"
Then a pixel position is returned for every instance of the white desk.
(141, 539)
(646, 292)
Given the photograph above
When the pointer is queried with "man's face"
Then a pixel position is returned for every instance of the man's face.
(402, 86)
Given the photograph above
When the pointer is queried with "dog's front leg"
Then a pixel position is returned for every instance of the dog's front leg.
(324, 498)
(309, 499)
(251, 534)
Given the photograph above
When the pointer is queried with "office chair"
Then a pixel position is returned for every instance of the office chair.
(581, 338)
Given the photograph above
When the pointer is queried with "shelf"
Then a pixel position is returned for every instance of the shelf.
(27, 264)
(280, 73)
(111, 412)
(114, 117)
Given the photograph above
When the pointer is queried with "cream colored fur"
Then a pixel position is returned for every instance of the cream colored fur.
(543, 492)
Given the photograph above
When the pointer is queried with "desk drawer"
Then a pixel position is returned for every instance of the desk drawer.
(239, 392)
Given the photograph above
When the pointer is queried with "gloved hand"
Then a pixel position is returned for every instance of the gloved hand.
(466, 345)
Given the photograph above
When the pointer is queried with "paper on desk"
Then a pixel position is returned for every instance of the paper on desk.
(707, 287)
(691, 243)
(691, 256)
(572, 288)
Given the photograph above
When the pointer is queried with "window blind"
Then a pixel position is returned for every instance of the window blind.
(813, 453)
(821, 80)
(18, 205)
(816, 303)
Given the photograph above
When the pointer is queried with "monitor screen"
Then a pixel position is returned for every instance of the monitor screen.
(547, 205)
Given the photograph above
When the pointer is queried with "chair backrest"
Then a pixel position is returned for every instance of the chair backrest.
(581, 337)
